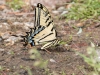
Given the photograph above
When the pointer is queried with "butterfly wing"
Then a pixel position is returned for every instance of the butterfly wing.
(43, 30)
(43, 19)
(42, 16)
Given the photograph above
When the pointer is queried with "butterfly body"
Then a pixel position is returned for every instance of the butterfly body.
(43, 31)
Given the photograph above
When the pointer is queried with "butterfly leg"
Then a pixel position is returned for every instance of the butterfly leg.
(47, 51)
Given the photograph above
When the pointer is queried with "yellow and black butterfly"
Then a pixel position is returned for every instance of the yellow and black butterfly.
(43, 31)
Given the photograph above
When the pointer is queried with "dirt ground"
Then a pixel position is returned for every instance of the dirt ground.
(15, 58)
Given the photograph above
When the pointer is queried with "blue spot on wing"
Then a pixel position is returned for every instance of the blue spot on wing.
(37, 31)
(32, 34)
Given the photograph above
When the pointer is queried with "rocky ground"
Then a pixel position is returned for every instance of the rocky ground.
(15, 58)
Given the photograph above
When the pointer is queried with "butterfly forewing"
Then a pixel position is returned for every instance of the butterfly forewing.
(42, 16)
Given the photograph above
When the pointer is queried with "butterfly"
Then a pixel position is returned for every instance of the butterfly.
(43, 31)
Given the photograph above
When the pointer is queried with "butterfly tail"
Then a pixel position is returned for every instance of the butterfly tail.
(52, 43)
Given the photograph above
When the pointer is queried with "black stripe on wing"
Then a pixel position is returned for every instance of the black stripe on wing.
(53, 42)
(49, 23)
(37, 17)
(33, 33)
(49, 17)
(45, 37)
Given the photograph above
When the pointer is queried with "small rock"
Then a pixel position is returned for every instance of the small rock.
(64, 12)
(98, 55)
(1, 38)
(29, 24)
(6, 24)
(0, 26)
(61, 9)
(52, 60)
(80, 31)
(5, 35)
(16, 23)
(1, 49)
(2, 7)
(11, 40)
(55, 12)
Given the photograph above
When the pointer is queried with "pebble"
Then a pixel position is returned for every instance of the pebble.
(11, 40)
(98, 55)
(0, 39)
(61, 9)
(55, 12)
(64, 12)
(5, 35)
(52, 60)
(16, 23)
(1, 49)
(28, 24)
